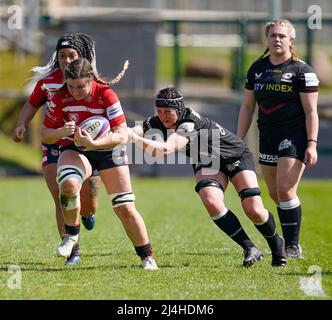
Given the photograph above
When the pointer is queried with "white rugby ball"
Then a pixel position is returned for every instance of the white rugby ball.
(97, 126)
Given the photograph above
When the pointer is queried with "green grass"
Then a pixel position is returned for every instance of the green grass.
(196, 260)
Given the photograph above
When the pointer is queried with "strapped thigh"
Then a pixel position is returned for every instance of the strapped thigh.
(208, 183)
(66, 172)
(249, 192)
(122, 198)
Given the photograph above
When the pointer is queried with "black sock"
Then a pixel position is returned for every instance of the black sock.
(73, 230)
(144, 251)
(290, 220)
(269, 232)
(231, 225)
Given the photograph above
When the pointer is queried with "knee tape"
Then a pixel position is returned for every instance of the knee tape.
(290, 204)
(122, 198)
(208, 183)
(70, 202)
(66, 172)
(250, 192)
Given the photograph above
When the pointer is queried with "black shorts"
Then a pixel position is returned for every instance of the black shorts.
(273, 146)
(246, 162)
(102, 160)
(50, 153)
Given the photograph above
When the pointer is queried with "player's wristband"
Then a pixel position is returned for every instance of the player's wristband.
(312, 140)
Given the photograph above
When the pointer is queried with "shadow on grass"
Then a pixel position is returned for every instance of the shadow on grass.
(304, 273)
(39, 266)
(100, 254)
(36, 267)
(208, 254)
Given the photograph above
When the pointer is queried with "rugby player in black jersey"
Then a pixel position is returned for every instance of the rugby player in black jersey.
(218, 156)
(285, 89)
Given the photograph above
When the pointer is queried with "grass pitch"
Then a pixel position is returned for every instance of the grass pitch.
(196, 260)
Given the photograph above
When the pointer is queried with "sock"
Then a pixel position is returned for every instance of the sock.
(290, 215)
(76, 249)
(230, 224)
(269, 231)
(72, 230)
(144, 251)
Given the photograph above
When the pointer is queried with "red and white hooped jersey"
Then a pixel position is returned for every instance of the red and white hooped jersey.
(64, 108)
(40, 95)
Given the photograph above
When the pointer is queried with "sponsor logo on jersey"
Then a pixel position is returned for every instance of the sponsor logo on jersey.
(273, 87)
(311, 79)
(50, 116)
(64, 100)
(258, 75)
(273, 71)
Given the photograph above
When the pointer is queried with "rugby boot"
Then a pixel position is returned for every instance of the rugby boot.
(294, 252)
(251, 256)
(279, 258)
(66, 246)
(89, 222)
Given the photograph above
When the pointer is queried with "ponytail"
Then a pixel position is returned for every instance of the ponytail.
(114, 80)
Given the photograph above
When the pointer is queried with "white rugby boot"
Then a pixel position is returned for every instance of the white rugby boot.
(66, 246)
(149, 264)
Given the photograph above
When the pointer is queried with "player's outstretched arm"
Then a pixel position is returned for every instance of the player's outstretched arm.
(26, 115)
(157, 148)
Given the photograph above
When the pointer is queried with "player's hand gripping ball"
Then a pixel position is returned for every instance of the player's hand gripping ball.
(96, 126)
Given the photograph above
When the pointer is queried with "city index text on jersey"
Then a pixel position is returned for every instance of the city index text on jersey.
(273, 87)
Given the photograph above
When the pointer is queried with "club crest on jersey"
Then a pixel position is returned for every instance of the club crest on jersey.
(50, 105)
(73, 117)
(286, 77)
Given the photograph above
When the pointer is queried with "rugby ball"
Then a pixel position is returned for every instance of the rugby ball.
(97, 126)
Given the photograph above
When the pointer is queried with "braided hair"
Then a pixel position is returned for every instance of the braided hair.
(171, 98)
(291, 32)
(82, 43)
(82, 68)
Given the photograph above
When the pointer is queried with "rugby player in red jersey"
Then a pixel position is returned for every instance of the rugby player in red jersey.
(83, 95)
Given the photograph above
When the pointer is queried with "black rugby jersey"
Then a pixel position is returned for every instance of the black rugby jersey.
(277, 88)
(206, 137)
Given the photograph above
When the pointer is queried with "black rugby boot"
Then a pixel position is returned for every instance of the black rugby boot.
(251, 256)
(279, 258)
